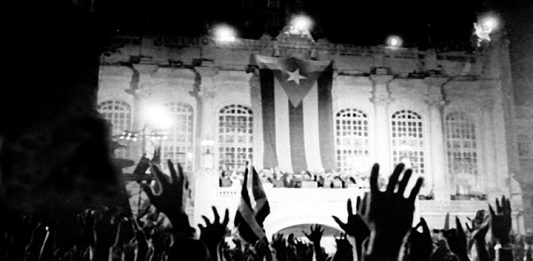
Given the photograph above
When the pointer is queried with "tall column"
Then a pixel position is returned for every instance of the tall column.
(206, 126)
(492, 179)
(255, 95)
(381, 99)
(435, 101)
(503, 162)
(205, 179)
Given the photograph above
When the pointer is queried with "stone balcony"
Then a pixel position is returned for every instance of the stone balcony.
(290, 206)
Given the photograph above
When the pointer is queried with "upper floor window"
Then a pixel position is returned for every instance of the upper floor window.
(408, 140)
(118, 114)
(462, 153)
(351, 140)
(235, 137)
(178, 143)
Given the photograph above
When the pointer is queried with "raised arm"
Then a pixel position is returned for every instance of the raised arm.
(390, 214)
(356, 224)
(212, 234)
(170, 199)
(501, 224)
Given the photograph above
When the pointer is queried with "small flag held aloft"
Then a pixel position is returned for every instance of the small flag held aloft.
(249, 220)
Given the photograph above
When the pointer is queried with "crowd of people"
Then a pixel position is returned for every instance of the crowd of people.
(305, 179)
(380, 228)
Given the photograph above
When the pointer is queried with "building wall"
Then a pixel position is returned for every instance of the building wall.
(209, 76)
(523, 185)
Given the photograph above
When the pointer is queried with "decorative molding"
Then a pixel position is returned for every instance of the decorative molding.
(381, 100)
(382, 79)
(436, 100)
(380, 93)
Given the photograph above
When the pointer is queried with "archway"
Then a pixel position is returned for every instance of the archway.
(328, 238)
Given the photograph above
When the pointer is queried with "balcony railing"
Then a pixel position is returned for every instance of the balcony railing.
(296, 194)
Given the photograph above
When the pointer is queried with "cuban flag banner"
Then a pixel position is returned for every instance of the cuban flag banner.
(296, 113)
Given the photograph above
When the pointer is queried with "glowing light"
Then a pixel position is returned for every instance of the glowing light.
(156, 116)
(224, 34)
(486, 25)
(394, 41)
(300, 24)
(489, 23)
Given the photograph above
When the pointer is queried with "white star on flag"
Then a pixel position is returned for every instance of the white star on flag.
(295, 76)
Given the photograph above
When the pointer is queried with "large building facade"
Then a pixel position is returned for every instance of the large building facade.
(448, 115)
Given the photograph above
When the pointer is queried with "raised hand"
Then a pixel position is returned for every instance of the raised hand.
(280, 245)
(344, 249)
(356, 225)
(457, 240)
(477, 221)
(390, 214)
(501, 221)
(478, 238)
(421, 244)
(315, 236)
(212, 234)
(170, 200)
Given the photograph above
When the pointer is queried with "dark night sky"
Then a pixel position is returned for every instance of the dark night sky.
(420, 23)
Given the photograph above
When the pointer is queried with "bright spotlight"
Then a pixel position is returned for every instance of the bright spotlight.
(489, 23)
(486, 25)
(394, 41)
(300, 24)
(224, 34)
(157, 116)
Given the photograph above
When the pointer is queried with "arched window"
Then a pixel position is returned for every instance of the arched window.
(178, 143)
(351, 140)
(461, 152)
(408, 140)
(118, 114)
(235, 134)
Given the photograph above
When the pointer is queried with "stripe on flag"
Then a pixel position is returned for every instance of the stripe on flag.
(283, 142)
(311, 130)
(297, 144)
(325, 119)
(268, 115)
